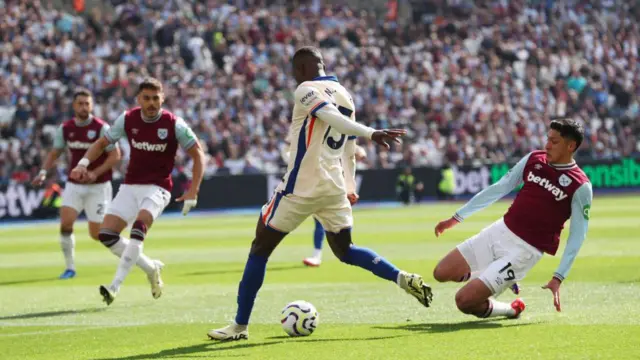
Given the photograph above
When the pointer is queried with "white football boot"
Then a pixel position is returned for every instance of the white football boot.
(155, 280)
(230, 332)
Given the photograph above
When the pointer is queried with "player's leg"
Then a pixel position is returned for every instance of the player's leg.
(68, 216)
(337, 219)
(476, 297)
(318, 238)
(153, 201)
(278, 217)
(72, 206)
(120, 211)
(96, 203)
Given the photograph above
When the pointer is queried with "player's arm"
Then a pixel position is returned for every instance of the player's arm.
(111, 136)
(487, 196)
(318, 106)
(580, 211)
(189, 143)
(113, 156)
(53, 155)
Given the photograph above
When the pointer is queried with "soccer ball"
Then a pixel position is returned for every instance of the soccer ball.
(299, 318)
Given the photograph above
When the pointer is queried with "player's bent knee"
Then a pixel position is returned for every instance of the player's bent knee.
(465, 302)
(266, 240)
(440, 274)
(340, 244)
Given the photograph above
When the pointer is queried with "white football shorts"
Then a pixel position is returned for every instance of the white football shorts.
(94, 199)
(130, 199)
(286, 213)
(500, 255)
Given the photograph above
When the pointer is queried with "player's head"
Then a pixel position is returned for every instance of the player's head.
(150, 97)
(82, 104)
(563, 139)
(307, 64)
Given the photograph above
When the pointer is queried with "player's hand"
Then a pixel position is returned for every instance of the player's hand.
(190, 200)
(383, 137)
(79, 173)
(353, 198)
(445, 225)
(90, 177)
(39, 179)
(554, 286)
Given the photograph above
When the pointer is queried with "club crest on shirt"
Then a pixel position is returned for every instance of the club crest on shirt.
(91, 134)
(162, 133)
(538, 166)
(564, 180)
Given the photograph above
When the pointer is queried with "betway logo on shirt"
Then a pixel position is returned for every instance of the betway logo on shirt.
(78, 145)
(148, 147)
(545, 183)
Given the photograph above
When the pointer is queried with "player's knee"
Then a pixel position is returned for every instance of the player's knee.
(95, 234)
(465, 302)
(108, 237)
(66, 229)
(340, 244)
(266, 240)
(440, 274)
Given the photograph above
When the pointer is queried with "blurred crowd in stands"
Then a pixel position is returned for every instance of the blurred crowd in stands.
(472, 82)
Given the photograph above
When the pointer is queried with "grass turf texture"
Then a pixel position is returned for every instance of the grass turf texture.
(361, 317)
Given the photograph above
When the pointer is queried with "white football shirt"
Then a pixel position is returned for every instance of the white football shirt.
(314, 167)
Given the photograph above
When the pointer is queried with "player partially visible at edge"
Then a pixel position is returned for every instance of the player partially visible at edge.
(323, 117)
(94, 194)
(555, 189)
(154, 135)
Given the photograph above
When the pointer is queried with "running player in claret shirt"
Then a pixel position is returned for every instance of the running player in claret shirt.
(323, 118)
(94, 193)
(154, 135)
(555, 189)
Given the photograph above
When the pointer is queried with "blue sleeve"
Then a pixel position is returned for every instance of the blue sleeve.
(184, 134)
(103, 131)
(580, 213)
(116, 132)
(494, 192)
(58, 139)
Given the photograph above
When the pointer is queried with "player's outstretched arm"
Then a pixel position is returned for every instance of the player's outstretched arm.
(487, 196)
(318, 106)
(580, 212)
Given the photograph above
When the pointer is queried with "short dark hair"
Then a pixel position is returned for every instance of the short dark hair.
(151, 84)
(308, 51)
(569, 129)
(81, 92)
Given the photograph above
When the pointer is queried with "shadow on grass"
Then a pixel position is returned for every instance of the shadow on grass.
(450, 327)
(208, 349)
(52, 314)
(240, 271)
(27, 281)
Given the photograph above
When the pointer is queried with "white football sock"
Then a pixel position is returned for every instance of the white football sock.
(130, 256)
(68, 245)
(497, 308)
(144, 262)
(317, 254)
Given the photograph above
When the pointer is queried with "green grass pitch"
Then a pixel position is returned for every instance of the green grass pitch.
(361, 317)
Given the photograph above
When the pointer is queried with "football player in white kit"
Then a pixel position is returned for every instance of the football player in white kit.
(323, 118)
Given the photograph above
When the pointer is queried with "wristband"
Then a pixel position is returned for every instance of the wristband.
(84, 162)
